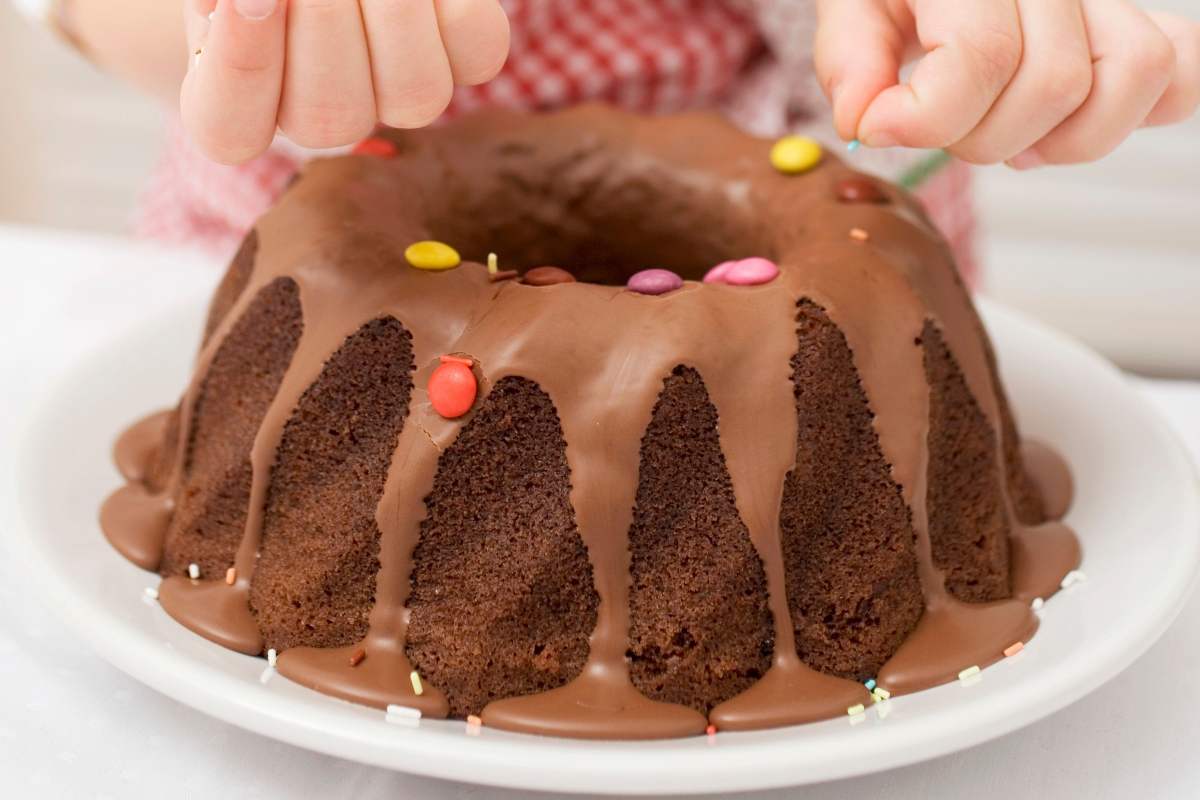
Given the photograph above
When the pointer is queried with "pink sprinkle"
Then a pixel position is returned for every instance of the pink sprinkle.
(1013, 649)
(717, 274)
(752, 272)
(654, 281)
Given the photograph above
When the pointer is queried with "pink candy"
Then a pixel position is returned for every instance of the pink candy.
(654, 281)
(746, 272)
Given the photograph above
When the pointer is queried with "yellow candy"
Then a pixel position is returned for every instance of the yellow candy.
(432, 255)
(792, 155)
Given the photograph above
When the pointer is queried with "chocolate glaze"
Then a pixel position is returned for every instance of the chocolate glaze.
(601, 353)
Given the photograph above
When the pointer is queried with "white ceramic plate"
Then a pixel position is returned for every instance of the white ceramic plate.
(1137, 511)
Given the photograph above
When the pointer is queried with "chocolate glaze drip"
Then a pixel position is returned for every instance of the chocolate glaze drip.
(601, 354)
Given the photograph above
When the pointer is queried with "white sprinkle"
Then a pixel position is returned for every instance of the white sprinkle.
(969, 672)
(880, 694)
(150, 593)
(213, 14)
(1037, 604)
(193, 571)
(403, 714)
(1073, 577)
(272, 657)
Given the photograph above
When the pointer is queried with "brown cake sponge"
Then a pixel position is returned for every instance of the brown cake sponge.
(848, 543)
(700, 629)
(241, 382)
(968, 524)
(315, 580)
(502, 599)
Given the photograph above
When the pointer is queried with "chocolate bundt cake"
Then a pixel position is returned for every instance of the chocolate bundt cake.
(719, 439)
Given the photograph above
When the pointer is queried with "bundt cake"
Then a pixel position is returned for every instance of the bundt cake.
(717, 441)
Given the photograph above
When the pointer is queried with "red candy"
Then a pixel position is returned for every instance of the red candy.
(375, 146)
(452, 387)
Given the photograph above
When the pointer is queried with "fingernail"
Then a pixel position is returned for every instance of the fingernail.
(878, 139)
(255, 9)
(1026, 160)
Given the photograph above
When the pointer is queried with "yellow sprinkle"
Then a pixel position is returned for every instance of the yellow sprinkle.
(792, 155)
(969, 672)
(856, 709)
(1013, 649)
(880, 694)
(432, 255)
(493, 264)
(416, 682)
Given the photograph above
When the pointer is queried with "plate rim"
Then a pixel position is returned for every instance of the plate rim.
(275, 716)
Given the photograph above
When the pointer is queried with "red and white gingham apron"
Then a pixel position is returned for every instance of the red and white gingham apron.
(752, 59)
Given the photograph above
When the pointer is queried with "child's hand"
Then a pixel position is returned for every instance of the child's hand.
(326, 71)
(1029, 82)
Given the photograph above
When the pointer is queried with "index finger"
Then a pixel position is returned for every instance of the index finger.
(230, 97)
(972, 51)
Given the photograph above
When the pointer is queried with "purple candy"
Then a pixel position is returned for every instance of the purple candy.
(717, 274)
(654, 281)
(751, 272)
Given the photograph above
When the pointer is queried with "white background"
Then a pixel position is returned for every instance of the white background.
(72, 726)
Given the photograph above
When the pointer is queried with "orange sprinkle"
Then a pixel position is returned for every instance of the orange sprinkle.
(858, 234)
(474, 721)
(464, 360)
(231, 575)
(357, 657)
(1013, 649)
(711, 730)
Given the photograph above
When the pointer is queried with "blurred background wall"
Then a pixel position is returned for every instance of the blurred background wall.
(1109, 252)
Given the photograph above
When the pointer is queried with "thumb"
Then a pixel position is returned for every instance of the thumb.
(857, 54)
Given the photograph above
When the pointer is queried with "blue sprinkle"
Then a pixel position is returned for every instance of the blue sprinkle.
(853, 145)
(870, 684)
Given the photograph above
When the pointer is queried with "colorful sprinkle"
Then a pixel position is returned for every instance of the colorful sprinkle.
(711, 730)
(856, 709)
(452, 388)
(357, 657)
(474, 721)
(194, 571)
(1037, 604)
(432, 255)
(969, 672)
(859, 190)
(272, 657)
(879, 694)
(1013, 649)
(376, 146)
(792, 155)
(547, 276)
(870, 685)
(752, 272)
(853, 145)
(450, 358)
(493, 263)
(654, 281)
(415, 679)
(231, 576)
(859, 235)
(402, 714)
(1073, 577)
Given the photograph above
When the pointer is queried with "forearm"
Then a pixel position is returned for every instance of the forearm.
(141, 41)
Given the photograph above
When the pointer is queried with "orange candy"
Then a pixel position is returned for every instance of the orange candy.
(375, 146)
(452, 387)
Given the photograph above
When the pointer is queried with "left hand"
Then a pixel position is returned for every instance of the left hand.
(1027, 82)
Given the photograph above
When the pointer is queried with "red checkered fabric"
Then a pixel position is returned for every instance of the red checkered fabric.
(752, 59)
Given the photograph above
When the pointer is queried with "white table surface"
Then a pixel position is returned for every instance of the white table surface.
(72, 726)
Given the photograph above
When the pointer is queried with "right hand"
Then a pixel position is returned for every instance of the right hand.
(325, 72)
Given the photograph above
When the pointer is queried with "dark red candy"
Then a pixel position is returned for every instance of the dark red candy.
(375, 146)
(452, 388)
(860, 190)
(547, 276)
